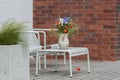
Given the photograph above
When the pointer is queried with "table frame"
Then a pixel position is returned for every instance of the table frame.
(71, 54)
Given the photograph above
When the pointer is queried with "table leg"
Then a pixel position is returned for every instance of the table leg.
(70, 59)
(44, 61)
(36, 64)
(39, 62)
(64, 58)
(56, 62)
(88, 59)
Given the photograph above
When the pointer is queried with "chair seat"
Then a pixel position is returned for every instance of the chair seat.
(34, 49)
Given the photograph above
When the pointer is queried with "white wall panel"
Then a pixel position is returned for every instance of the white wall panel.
(22, 10)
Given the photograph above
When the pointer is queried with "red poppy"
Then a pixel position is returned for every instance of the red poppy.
(65, 31)
(78, 69)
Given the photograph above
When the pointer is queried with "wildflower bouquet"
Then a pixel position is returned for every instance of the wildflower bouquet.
(65, 25)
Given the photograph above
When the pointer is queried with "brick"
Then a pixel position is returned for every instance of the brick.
(77, 6)
(109, 35)
(97, 58)
(109, 11)
(115, 47)
(109, 59)
(108, 27)
(52, 6)
(106, 15)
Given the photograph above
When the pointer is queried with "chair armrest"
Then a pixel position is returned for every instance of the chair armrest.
(48, 46)
(38, 34)
(37, 29)
(44, 37)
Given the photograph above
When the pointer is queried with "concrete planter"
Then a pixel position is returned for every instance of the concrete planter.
(14, 62)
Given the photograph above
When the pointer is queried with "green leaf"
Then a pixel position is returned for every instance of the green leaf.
(10, 32)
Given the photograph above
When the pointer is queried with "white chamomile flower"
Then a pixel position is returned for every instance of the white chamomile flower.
(61, 21)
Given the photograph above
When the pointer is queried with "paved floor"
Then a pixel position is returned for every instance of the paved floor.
(100, 70)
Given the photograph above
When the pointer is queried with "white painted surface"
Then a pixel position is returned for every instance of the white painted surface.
(14, 62)
(19, 9)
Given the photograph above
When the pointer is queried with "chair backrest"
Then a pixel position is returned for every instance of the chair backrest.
(33, 42)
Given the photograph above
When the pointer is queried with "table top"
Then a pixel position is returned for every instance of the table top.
(70, 50)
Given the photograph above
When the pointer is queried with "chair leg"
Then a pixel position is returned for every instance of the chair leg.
(88, 59)
(44, 61)
(56, 62)
(70, 60)
(36, 64)
(64, 58)
(39, 62)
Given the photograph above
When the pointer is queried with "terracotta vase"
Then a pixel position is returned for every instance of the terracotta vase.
(63, 41)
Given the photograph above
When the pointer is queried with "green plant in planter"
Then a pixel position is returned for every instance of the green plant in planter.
(10, 32)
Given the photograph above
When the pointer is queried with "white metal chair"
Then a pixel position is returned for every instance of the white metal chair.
(33, 42)
(33, 39)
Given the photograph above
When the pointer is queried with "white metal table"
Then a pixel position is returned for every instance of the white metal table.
(73, 51)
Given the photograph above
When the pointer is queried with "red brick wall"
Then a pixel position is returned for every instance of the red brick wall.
(118, 30)
(96, 20)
